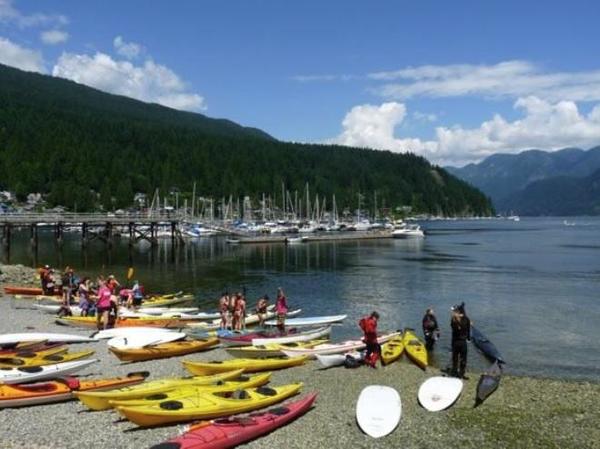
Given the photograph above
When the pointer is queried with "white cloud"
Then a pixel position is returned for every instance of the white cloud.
(148, 82)
(322, 78)
(53, 37)
(129, 50)
(10, 14)
(22, 58)
(546, 125)
(512, 79)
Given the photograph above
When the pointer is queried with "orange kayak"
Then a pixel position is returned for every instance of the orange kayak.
(20, 395)
(23, 290)
(91, 323)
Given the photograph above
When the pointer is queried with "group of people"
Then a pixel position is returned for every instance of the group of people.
(233, 310)
(101, 299)
(461, 333)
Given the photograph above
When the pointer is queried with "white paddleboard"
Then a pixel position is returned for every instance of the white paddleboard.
(8, 339)
(140, 341)
(129, 332)
(439, 393)
(310, 320)
(378, 410)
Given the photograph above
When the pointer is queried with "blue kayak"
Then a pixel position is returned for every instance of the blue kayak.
(486, 347)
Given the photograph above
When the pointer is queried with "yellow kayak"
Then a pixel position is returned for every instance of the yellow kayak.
(240, 383)
(167, 300)
(42, 359)
(208, 405)
(392, 350)
(99, 400)
(91, 322)
(164, 350)
(415, 349)
(248, 365)
(272, 350)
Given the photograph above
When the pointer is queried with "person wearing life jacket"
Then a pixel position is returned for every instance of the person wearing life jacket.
(461, 333)
(369, 328)
(281, 309)
(44, 273)
(103, 305)
(262, 309)
(431, 330)
(112, 284)
(84, 296)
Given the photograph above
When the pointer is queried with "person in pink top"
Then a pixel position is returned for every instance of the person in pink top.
(103, 305)
(281, 309)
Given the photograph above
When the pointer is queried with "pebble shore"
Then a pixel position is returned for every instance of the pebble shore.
(523, 413)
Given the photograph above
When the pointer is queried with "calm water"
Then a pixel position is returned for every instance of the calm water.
(532, 286)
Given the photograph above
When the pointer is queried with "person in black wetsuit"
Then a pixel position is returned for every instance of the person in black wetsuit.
(461, 333)
(431, 330)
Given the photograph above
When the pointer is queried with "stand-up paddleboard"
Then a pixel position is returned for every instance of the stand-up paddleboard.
(35, 373)
(486, 347)
(301, 336)
(140, 341)
(9, 339)
(488, 383)
(130, 332)
(439, 393)
(310, 321)
(378, 410)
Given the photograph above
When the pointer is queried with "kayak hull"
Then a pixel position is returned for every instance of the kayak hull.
(164, 350)
(248, 365)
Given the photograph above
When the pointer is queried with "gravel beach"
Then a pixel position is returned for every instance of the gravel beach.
(523, 413)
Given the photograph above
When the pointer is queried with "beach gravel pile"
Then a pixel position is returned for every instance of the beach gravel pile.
(523, 413)
(19, 275)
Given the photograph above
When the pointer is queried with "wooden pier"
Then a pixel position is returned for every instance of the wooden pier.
(94, 226)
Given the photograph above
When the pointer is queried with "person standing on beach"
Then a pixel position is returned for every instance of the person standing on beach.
(103, 305)
(261, 310)
(368, 325)
(431, 329)
(224, 310)
(461, 333)
(239, 313)
(112, 284)
(84, 296)
(281, 309)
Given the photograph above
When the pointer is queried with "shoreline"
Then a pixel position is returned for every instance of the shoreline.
(524, 412)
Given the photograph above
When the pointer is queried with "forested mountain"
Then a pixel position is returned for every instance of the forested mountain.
(74, 142)
(560, 196)
(505, 177)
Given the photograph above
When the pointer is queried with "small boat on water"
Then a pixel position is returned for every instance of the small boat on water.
(408, 231)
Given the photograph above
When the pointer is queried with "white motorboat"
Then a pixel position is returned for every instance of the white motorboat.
(408, 231)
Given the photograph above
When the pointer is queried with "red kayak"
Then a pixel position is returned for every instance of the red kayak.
(232, 338)
(27, 291)
(231, 432)
(23, 349)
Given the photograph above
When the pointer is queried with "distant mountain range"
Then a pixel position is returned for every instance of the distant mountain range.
(535, 182)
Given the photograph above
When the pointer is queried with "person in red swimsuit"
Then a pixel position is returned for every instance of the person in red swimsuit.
(369, 328)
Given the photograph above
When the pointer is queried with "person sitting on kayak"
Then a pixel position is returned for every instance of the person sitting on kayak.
(239, 313)
(224, 310)
(369, 327)
(261, 310)
(461, 333)
(281, 309)
(431, 330)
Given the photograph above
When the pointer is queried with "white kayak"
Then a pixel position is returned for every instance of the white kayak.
(36, 373)
(310, 321)
(378, 410)
(293, 338)
(141, 341)
(335, 348)
(250, 320)
(200, 316)
(130, 332)
(11, 339)
(162, 310)
(331, 360)
(439, 393)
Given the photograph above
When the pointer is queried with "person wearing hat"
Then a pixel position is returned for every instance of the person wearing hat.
(369, 327)
(461, 333)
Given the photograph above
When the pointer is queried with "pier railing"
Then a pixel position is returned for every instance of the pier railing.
(51, 218)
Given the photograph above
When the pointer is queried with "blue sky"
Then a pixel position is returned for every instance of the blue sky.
(453, 81)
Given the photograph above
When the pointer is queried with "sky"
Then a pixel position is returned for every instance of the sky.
(451, 81)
